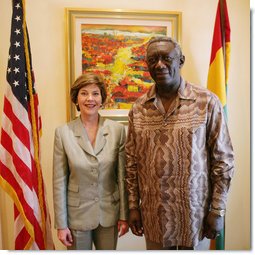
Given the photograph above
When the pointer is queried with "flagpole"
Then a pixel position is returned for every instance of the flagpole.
(34, 125)
(223, 28)
(218, 76)
(220, 240)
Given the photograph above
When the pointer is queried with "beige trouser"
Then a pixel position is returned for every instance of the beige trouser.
(103, 239)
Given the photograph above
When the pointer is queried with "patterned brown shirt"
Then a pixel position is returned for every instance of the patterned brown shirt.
(179, 163)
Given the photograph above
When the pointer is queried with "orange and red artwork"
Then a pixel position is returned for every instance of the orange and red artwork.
(118, 53)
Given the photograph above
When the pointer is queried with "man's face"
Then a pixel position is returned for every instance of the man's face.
(164, 64)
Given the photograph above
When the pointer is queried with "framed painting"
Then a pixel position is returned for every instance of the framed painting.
(113, 43)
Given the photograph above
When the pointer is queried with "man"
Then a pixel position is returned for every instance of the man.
(179, 156)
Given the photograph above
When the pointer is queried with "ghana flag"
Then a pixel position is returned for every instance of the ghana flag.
(220, 54)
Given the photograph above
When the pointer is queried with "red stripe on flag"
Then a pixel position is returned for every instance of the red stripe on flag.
(28, 211)
(227, 23)
(217, 42)
(22, 239)
(22, 169)
(17, 126)
(10, 178)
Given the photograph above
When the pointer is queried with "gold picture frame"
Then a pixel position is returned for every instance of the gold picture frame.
(96, 38)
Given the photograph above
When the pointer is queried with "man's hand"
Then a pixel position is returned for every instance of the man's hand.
(135, 222)
(213, 225)
(65, 236)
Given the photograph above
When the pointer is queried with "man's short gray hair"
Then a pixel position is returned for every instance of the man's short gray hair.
(166, 39)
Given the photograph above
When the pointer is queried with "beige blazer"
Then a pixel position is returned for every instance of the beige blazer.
(88, 184)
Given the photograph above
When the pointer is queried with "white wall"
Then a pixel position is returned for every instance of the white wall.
(46, 25)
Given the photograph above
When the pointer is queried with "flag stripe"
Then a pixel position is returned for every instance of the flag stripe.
(227, 61)
(216, 75)
(18, 192)
(19, 110)
(28, 193)
(227, 23)
(22, 237)
(11, 186)
(22, 169)
(17, 126)
(217, 36)
(26, 212)
(217, 39)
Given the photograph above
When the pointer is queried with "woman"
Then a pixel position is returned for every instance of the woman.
(88, 173)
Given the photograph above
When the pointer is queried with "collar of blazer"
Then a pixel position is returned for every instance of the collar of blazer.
(81, 134)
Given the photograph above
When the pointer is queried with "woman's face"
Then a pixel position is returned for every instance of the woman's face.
(89, 99)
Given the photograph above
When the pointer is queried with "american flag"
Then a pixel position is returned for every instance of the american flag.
(20, 169)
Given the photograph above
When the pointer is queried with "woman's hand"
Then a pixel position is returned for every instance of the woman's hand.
(122, 227)
(65, 236)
